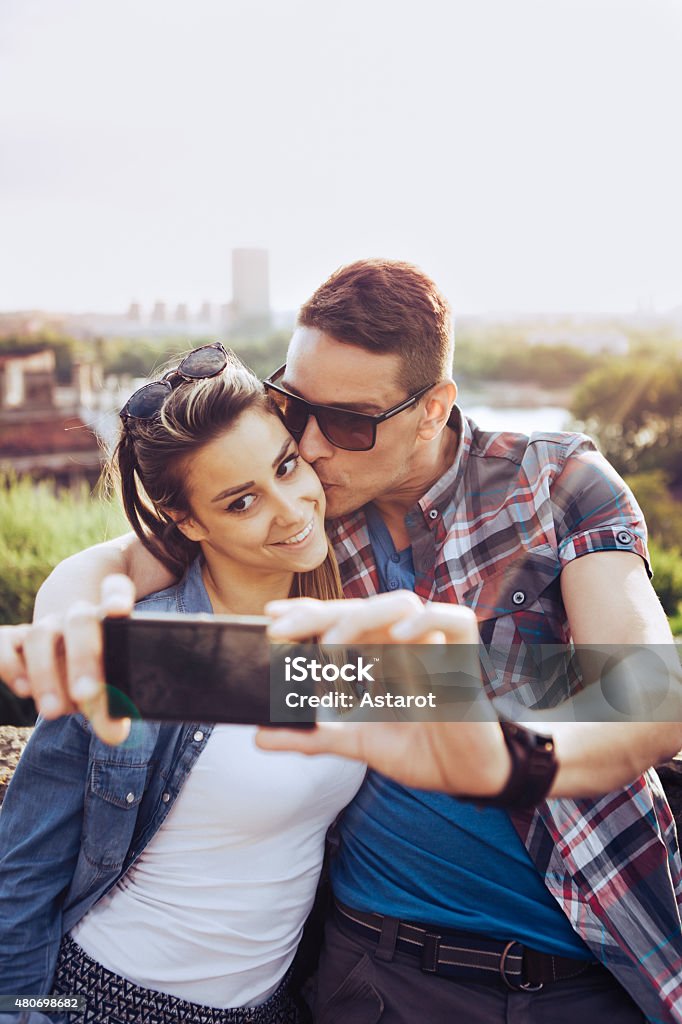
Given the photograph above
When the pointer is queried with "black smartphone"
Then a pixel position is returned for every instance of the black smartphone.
(179, 668)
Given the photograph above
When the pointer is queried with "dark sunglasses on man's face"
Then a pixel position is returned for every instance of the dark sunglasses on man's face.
(352, 431)
(146, 402)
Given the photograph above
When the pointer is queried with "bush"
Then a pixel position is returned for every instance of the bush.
(662, 511)
(145, 357)
(38, 528)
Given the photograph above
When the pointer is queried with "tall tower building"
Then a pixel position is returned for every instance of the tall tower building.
(250, 285)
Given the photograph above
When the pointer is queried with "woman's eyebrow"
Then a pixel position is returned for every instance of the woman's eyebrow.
(229, 491)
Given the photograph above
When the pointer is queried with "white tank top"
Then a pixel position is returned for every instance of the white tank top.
(212, 911)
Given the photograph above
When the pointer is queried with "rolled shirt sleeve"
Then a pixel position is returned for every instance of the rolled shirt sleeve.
(595, 510)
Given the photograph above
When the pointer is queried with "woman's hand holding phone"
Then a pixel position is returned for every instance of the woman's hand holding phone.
(58, 660)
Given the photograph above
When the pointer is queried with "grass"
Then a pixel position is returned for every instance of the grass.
(38, 528)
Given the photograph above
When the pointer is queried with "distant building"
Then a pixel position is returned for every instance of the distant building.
(159, 313)
(38, 436)
(27, 380)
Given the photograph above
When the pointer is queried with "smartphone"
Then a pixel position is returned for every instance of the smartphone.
(180, 668)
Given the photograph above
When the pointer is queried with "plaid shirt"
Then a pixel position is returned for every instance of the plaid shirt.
(494, 533)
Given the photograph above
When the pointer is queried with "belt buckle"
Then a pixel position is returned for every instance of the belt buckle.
(524, 986)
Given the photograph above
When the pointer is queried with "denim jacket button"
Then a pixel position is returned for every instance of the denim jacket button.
(198, 736)
(130, 798)
(165, 797)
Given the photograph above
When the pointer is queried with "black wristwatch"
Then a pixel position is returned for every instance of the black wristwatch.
(533, 767)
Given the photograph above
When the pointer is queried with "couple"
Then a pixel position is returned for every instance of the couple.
(443, 908)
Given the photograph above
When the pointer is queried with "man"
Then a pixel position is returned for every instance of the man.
(544, 542)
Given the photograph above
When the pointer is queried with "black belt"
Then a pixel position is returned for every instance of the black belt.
(465, 955)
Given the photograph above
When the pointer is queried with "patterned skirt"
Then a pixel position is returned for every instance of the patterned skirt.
(111, 999)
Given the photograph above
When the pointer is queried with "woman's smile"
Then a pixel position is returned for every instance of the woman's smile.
(297, 540)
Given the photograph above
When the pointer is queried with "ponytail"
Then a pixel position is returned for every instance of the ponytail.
(155, 528)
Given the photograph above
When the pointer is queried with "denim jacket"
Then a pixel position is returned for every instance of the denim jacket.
(77, 814)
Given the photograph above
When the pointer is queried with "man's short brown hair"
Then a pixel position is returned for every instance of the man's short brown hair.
(387, 306)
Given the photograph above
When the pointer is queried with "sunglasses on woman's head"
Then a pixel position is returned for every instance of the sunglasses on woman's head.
(204, 362)
(352, 431)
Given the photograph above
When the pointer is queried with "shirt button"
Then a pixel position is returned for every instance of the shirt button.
(198, 736)
(433, 514)
(166, 797)
(393, 585)
(623, 537)
(130, 798)
(518, 597)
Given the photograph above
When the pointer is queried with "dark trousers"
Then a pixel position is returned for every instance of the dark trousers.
(363, 982)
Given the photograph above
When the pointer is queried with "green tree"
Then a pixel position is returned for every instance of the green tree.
(140, 357)
(662, 512)
(634, 409)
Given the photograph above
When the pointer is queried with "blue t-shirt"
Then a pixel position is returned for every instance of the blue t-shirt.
(431, 858)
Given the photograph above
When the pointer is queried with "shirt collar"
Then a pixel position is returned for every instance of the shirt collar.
(193, 594)
(440, 496)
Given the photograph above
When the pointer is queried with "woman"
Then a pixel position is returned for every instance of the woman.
(170, 878)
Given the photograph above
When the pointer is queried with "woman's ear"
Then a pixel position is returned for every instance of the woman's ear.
(191, 528)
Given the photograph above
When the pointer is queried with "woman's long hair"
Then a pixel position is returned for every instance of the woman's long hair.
(150, 465)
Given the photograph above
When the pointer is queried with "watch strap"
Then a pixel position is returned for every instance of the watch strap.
(533, 768)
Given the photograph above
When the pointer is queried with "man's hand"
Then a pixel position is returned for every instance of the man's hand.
(383, 619)
(58, 660)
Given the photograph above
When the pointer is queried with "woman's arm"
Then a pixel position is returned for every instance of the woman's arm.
(58, 660)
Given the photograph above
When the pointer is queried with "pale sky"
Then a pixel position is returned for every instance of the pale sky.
(526, 153)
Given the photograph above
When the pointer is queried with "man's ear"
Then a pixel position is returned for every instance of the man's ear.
(191, 528)
(437, 408)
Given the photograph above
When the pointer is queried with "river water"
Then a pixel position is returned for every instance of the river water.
(525, 421)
